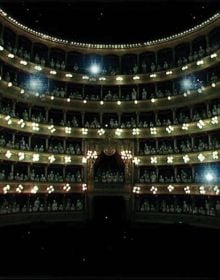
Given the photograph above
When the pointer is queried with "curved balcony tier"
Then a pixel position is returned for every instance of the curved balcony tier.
(16, 93)
(171, 41)
(201, 126)
(134, 79)
(15, 155)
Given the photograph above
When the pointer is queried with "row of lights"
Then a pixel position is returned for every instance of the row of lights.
(115, 46)
(36, 157)
(35, 188)
(118, 78)
(186, 158)
(126, 154)
(170, 188)
(135, 131)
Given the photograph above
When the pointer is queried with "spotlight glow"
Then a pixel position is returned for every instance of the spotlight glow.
(186, 83)
(209, 177)
(35, 84)
(95, 69)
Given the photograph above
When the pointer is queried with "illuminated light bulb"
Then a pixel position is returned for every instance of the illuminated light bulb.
(213, 85)
(38, 68)
(119, 79)
(136, 78)
(201, 157)
(95, 69)
(153, 190)
(185, 126)
(200, 124)
(36, 157)
(85, 101)
(101, 131)
(23, 62)
(118, 131)
(67, 159)
(186, 158)
(153, 160)
(199, 62)
(52, 97)
(153, 100)
(68, 99)
(213, 55)
(215, 155)
(67, 187)
(85, 77)
(153, 130)
(214, 120)
(11, 55)
(170, 159)
(35, 189)
(84, 187)
(51, 158)
(135, 102)
(135, 131)
(8, 154)
(10, 84)
(187, 190)
(170, 188)
(136, 160)
(153, 75)
(119, 102)
(50, 189)
(6, 189)
(101, 102)
(1, 48)
(84, 131)
(102, 79)
(68, 75)
(20, 156)
(68, 130)
(53, 72)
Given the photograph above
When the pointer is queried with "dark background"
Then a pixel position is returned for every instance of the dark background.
(110, 21)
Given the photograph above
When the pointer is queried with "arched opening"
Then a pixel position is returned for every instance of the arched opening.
(109, 209)
(109, 171)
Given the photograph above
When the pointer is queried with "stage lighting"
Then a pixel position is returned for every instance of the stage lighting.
(209, 176)
(95, 69)
(35, 84)
(186, 84)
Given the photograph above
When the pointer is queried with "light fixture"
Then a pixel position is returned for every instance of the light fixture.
(95, 69)
(214, 120)
(35, 157)
(201, 157)
(126, 155)
(135, 131)
(67, 159)
(186, 158)
(50, 189)
(6, 189)
(51, 158)
(136, 160)
(153, 130)
(187, 190)
(68, 75)
(101, 132)
(20, 156)
(170, 159)
(8, 154)
(68, 130)
(67, 187)
(53, 72)
(153, 160)
(35, 189)
(38, 67)
(84, 131)
(84, 187)
(153, 190)
(19, 188)
(118, 131)
(185, 126)
(215, 155)
(170, 188)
